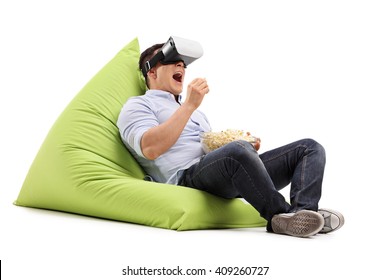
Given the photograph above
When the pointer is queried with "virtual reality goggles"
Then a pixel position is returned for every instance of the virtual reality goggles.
(174, 50)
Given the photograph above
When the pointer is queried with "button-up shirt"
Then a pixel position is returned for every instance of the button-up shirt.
(141, 113)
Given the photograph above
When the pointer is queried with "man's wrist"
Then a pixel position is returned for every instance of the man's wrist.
(189, 108)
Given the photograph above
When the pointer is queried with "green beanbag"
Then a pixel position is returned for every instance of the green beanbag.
(83, 167)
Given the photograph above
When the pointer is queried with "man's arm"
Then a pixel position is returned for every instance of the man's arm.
(159, 139)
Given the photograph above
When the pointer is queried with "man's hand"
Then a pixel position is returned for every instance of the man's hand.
(196, 91)
(256, 144)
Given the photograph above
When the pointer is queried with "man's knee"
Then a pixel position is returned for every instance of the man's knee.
(316, 147)
(241, 150)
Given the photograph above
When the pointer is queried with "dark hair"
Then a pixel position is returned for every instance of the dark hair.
(147, 55)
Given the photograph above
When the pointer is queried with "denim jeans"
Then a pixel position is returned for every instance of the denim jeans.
(237, 170)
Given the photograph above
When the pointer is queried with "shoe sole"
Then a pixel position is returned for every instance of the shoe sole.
(333, 220)
(303, 223)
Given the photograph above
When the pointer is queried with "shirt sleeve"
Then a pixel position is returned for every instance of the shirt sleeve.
(135, 118)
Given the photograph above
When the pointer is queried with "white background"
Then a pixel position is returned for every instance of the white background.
(283, 70)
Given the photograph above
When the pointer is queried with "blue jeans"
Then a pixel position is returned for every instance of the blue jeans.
(237, 170)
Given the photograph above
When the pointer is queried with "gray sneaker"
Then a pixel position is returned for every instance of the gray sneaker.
(303, 223)
(333, 220)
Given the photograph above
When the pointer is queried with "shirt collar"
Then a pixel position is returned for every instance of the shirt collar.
(163, 94)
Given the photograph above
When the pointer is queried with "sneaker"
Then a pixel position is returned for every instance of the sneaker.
(333, 220)
(303, 223)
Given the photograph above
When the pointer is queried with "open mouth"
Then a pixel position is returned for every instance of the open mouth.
(178, 77)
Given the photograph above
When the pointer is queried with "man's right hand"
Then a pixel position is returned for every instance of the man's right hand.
(196, 90)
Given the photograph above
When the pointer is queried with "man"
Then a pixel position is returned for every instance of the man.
(162, 133)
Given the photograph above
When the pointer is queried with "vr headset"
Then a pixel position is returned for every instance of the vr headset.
(174, 50)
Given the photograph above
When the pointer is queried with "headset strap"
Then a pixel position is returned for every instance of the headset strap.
(151, 63)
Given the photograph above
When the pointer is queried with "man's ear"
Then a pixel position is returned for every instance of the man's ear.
(152, 74)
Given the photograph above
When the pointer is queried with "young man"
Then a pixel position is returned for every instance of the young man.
(162, 133)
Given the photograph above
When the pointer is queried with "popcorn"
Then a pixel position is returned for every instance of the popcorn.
(214, 140)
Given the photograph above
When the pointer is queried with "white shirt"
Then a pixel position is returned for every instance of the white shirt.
(141, 113)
